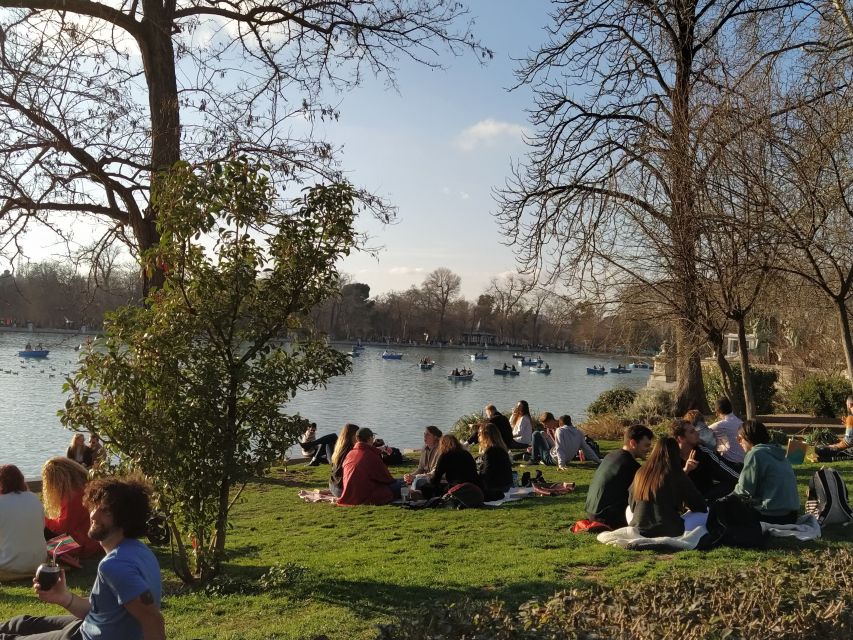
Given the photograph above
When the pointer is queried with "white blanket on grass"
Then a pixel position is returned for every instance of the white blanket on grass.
(806, 528)
(630, 538)
(516, 493)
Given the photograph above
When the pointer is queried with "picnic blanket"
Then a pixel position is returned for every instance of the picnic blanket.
(317, 495)
(516, 493)
(630, 538)
(806, 528)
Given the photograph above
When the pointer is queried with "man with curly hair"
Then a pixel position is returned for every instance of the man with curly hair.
(125, 600)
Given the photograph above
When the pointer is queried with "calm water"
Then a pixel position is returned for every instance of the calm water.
(393, 397)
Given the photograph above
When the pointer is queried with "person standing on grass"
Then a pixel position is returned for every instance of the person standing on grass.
(607, 498)
(568, 440)
(725, 430)
(124, 603)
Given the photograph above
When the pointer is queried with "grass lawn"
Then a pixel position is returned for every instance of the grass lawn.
(366, 565)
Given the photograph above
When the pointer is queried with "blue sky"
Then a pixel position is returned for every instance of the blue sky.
(435, 148)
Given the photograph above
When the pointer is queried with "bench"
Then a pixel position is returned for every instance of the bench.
(797, 424)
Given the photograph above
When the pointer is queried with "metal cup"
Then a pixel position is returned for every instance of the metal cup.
(47, 575)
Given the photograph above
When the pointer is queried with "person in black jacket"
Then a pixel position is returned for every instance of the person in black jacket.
(710, 473)
(495, 467)
(491, 414)
(661, 492)
(454, 466)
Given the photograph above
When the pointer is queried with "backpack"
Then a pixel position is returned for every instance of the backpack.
(393, 458)
(465, 495)
(732, 522)
(827, 498)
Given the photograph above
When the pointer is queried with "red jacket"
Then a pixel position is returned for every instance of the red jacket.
(366, 478)
(74, 520)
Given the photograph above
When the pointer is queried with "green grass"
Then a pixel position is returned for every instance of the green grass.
(367, 564)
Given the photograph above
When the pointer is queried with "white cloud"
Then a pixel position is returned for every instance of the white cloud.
(405, 271)
(464, 195)
(487, 133)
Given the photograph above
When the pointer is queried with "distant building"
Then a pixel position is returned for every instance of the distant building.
(479, 338)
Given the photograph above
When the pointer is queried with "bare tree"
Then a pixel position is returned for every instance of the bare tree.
(440, 288)
(95, 97)
(508, 295)
(607, 193)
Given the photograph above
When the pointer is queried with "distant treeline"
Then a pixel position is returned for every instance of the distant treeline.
(53, 295)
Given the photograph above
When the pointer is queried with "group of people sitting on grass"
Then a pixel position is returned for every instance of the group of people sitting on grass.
(672, 491)
(105, 517)
(359, 475)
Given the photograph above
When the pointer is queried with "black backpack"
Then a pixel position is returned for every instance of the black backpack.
(465, 495)
(827, 498)
(732, 522)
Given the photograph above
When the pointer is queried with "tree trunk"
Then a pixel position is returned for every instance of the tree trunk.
(690, 388)
(746, 376)
(726, 372)
(846, 341)
(158, 58)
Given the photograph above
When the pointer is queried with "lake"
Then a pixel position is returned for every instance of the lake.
(393, 397)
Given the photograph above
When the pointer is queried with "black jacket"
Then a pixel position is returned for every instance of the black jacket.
(495, 470)
(455, 467)
(661, 516)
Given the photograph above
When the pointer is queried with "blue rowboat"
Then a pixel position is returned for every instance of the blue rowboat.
(506, 372)
(590, 371)
(33, 353)
(390, 355)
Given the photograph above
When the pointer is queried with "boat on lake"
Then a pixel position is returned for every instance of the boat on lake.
(479, 356)
(33, 353)
(596, 371)
(462, 377)
(639, 365)
(426, 364)
(507, 372)
(544, 369)
(391, 355)
(530, 361)
(620, 369)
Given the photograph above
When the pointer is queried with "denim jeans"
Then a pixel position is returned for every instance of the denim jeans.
(541, 449)
(324, 447)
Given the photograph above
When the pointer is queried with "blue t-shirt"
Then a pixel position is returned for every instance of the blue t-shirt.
(124, 574)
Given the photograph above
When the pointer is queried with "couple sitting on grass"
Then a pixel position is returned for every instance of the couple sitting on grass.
(666, 495)
(360, 477)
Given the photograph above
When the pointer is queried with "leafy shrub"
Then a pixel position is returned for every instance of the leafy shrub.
(605, 427)
(651, 406)
(612, 401)
(280, 576)
(820, 437)
(805, 597)
(778, 437)
(819, 395)
(763, 387)
(462, 429)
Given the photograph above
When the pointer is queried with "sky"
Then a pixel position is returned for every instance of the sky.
(435, 147)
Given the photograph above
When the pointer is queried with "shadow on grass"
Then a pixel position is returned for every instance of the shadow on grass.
(370, 598)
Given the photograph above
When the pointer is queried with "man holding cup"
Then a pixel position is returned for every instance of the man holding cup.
(125, 599)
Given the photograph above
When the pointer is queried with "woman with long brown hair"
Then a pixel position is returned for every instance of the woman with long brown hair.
(522, 426)
(63, 482)
(21, 526)
(662, 492)
(454, 466)
(495, 467)
(344, 444)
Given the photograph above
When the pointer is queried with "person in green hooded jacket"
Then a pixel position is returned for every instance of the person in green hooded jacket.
(767, 479)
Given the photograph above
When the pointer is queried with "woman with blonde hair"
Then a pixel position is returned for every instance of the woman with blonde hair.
(662, 492)
(494, 465)
(63, 483)
(344, 444)
(78, 451)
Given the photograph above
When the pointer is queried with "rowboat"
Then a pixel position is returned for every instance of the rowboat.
(529, 362)
(546, 370)
(479, 356)
(639, 365)
(461, 378)
(391, 355)
(619, 370)
(354, 353)
(33, 353)
(506, 372)
(592, 371)
(426, 365)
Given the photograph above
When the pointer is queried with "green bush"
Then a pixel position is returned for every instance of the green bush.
(651, 406)
(612, 401)
(763, 387)
(462, 429)
(820, 437)
(819, 395)
(806, 597)
(779, 437)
